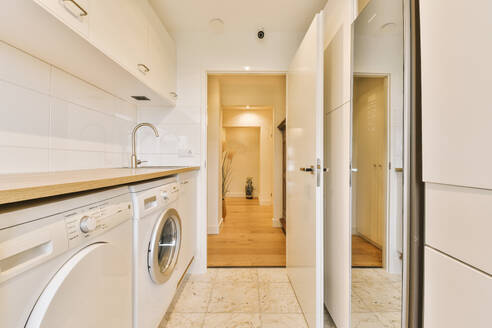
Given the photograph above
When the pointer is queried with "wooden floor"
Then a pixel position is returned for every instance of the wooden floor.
(247, 237)
(365, 254)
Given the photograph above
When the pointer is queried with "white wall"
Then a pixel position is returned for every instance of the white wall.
(263, 120)
(214, 186)
(53, 121)
(244, 145)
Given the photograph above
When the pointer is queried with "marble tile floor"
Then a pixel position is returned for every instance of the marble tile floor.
(236, 298)
(264, 298)
(376, 299)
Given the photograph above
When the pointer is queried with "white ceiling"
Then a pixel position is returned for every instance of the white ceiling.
(273, 15)
(376, 14)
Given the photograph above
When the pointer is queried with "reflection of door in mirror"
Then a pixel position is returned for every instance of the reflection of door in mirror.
(370, 160)
(377, 143)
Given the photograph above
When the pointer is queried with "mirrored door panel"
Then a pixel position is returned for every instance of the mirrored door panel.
(377, 164)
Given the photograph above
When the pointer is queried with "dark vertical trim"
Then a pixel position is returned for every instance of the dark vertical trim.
(417, 196)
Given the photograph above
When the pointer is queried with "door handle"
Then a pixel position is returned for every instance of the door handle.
(308, 169)
(354, 169)
(82, 13)
(143, 68)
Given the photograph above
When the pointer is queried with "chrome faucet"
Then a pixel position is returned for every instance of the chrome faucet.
(134, 160)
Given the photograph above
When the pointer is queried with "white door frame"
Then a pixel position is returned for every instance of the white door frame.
(200, 265)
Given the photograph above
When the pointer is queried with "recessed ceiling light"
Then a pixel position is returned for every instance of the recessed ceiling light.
(216, 25)
(247, 68)
(248, 107)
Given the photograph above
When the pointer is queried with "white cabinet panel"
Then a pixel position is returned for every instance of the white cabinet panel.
(74, 13)
(162, 59)
(188, 213)
(455, 295)
(456, 43)
(337, 225)
(458, 222)
(119, 28)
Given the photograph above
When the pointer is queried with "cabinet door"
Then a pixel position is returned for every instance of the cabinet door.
(456, 43)
(187, 212)
(162, 59)
(74, 13)
(119, 28)
(455, 295)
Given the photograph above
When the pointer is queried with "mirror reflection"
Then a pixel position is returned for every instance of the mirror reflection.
(377, 164)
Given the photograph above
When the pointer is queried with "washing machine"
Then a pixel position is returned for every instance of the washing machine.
(67, 262)
(158, 244)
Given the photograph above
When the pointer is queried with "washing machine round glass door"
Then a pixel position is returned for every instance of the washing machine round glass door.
(164, 246)
(92, 289)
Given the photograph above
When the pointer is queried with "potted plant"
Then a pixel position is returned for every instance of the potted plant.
(226, 178)
(249, 188)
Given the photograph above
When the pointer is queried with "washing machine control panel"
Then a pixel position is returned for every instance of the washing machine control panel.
(170, 192)
(87, 222)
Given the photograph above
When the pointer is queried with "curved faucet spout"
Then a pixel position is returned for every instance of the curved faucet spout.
(134, 160)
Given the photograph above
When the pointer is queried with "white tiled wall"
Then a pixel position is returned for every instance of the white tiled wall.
(179, 130)
(51, 120)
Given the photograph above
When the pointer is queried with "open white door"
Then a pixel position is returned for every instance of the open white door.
(304, 173)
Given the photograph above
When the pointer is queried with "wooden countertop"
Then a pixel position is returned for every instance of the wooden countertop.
(27, 186)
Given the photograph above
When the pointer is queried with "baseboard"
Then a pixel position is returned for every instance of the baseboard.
(276, 223)
(215, 229)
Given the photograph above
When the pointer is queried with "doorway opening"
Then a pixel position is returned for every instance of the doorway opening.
(244, 169)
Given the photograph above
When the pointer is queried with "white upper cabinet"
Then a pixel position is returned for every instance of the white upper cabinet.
(162, 61)
(119, 29)
(125, 32)
(120, 46)
(74, 13)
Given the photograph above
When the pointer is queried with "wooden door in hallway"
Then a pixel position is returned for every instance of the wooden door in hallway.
(247, 238)
(369, 157)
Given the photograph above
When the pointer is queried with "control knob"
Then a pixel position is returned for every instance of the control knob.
(87, 224)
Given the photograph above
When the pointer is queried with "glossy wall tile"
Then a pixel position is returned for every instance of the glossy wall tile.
(51, 120)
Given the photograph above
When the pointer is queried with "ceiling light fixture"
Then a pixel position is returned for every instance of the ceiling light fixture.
(247, 68)
(216, 25)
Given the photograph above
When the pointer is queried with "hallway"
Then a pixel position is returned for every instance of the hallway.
(247, 237)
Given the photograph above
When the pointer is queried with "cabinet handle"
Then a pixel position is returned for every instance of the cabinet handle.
(143, 68)
(184, 182)
(83, 12)
(174, 94)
